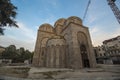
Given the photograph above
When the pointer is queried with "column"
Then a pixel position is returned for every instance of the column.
(54, 56)
(51, 56)
(57, 56)
(48, 57)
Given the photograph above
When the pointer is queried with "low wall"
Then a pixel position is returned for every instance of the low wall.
(14, 78)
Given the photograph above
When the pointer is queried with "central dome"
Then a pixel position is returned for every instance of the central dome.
(59, 25)
(60, 22)
(74, 19)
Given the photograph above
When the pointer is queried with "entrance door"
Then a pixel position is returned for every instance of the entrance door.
(85, 60)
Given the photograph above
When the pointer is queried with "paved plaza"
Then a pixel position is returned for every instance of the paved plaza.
(103, 72)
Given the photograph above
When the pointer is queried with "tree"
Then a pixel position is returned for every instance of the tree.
(16, 55)
(9, 53)
(7, 15)
(24, 55)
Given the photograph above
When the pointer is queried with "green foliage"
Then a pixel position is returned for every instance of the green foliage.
(17, 55)
(24, 55)
(7, 15)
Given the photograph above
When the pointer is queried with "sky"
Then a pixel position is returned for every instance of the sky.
(100, 20)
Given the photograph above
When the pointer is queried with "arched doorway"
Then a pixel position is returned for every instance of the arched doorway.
(82, 41)
(85, 60)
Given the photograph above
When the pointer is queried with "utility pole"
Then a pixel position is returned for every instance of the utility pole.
(115, 9)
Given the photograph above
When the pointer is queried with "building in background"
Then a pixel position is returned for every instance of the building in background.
(109, 52)
(112, 46)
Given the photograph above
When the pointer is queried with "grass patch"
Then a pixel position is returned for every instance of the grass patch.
(15, 72)
(49, 74)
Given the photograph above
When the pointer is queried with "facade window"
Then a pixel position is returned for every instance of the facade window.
(111, 52)
(116, 51)
(103, 48)
(42, 53)
(100, 54)
(99, 49)
(104, 54)
(113, 46)
(116, 45)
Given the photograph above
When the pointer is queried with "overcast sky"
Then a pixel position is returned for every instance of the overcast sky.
(32, 13)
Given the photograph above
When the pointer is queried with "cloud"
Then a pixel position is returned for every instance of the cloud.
(53, 2)
(94, 30)
(96, 12)
(21, 33)
(102, 22)
(117, 32)
(98, 35)
(6, 41)
(29, 33)
(50, 19)
(21, 37)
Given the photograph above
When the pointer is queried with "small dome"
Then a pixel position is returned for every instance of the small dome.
(74, 19)
(60, 22)
(46, 27)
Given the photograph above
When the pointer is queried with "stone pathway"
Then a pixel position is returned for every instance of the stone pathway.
(106, 72)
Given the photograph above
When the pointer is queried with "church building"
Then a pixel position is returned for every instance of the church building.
(67, 44)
